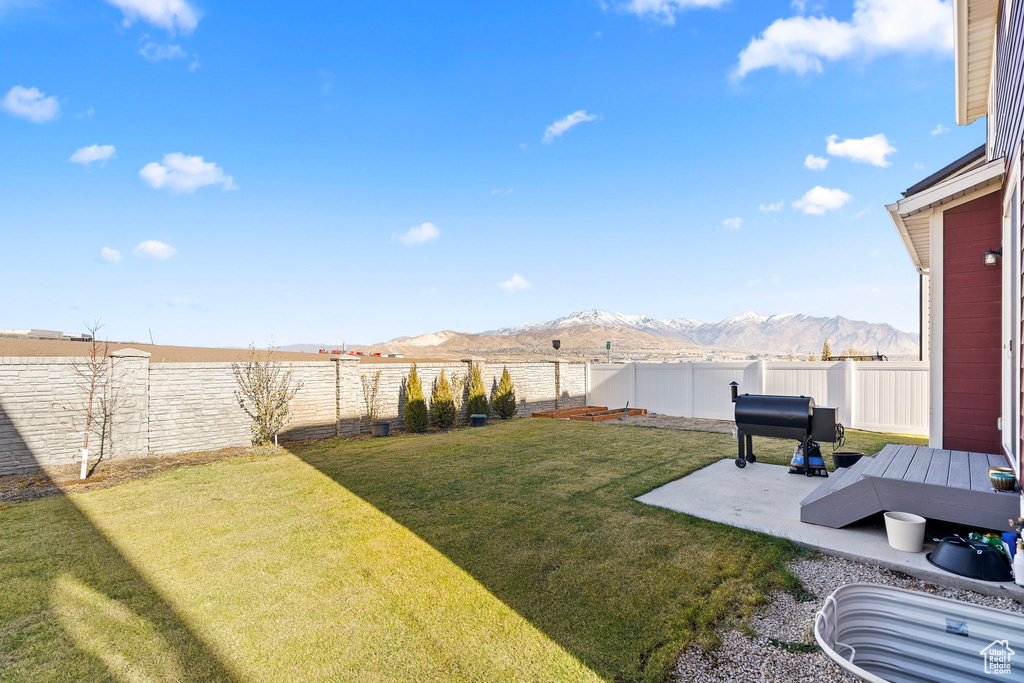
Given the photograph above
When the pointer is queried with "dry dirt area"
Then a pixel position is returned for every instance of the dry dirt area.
(34, 348)
(669, 422)
(17, 488)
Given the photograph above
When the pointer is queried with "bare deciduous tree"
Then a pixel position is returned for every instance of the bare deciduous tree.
(372, 398)
(265, 391)
(93, 408)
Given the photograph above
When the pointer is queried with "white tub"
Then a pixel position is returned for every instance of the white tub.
(890, 635)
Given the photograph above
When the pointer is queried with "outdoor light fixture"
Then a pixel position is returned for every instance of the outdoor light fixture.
(734, 388)
(992, 256)
(556, 343)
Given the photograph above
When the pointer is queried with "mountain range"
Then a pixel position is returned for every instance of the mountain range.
(785, 333)
(587, 332)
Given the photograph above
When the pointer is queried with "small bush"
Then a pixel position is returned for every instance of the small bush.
(505, 397)
(416, 416)
(477, 404)
(442, 403)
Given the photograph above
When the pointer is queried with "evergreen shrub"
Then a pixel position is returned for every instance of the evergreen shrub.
(505, 397)
(416, 415)
(442, 403)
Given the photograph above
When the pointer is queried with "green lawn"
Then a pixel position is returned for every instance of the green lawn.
(513, 552)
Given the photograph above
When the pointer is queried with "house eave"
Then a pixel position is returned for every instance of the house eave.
(974, 38)
(975, 181)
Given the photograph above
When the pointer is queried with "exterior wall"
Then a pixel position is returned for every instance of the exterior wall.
(972, 310)
(175, 407)
(1009, 83)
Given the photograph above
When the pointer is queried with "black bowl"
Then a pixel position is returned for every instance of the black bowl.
(973, 559)
(846, 459)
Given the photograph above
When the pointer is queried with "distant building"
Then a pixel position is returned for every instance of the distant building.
(45, 334)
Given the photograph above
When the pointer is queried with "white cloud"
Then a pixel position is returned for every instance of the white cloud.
(732, 223)
(87, 114)
(420, 234)
(801, 43)
(665, 10)
(111, 255)
(940, 129)
(559, 127)
(171, 15)
(819, 199)
(153, 249)
(87, 155)
(31, 105)
(775, 206)
(919, 166)
(871, 150)
(155, 52)
(515, 283)
(183, 173)
(815, 163)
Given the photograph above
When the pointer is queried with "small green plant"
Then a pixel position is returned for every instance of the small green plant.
(416, 416)
(477, 398)
(442, 403)
(505, 397)
(826, 351)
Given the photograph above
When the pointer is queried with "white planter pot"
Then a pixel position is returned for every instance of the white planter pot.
(905, 531)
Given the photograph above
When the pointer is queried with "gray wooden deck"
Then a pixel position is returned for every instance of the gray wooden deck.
(952, 486)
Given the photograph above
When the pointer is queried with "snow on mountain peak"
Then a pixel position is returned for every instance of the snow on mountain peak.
(748, 317)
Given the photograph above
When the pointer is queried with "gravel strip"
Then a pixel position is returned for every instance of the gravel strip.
(744, 659)
(670, 422)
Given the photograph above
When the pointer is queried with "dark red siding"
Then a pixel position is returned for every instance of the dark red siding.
(972, 327)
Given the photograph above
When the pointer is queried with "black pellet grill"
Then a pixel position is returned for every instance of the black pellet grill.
(783, 417)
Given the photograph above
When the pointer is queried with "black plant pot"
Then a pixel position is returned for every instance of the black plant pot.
(380, 428)
(846, 459)
(478, 420)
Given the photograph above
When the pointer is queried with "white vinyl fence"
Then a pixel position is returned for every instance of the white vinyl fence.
(875, 396)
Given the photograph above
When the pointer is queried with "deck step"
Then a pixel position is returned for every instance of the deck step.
(848, 499)
(841, 478)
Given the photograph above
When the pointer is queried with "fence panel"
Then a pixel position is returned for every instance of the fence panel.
(883, 397)
(666, 385)
(891, 397)
(612, 385)
(711, 397)
(799, 378)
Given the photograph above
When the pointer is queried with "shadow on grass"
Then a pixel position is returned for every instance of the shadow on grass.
(541, 514)
(72, 608)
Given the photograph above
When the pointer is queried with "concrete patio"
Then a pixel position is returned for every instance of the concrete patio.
(766, 498)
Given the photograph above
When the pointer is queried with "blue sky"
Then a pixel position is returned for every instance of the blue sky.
(327, 172)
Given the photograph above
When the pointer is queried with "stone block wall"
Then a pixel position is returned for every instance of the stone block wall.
(44, 402)
(192, 407)
(176, 407)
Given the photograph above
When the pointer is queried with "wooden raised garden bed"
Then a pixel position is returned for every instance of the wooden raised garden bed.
(589, 413)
